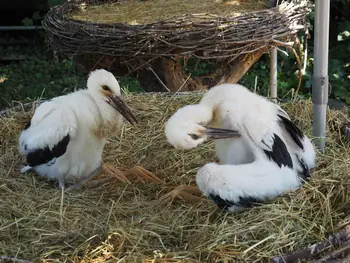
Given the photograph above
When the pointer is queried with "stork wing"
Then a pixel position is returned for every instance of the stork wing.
(291, 128)
(262, 127)
(263, 122)
(47, 134)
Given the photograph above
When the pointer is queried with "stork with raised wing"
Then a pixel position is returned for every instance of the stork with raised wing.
(271, 155)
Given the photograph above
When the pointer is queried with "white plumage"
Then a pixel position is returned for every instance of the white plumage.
(270, 157)
(65, 138)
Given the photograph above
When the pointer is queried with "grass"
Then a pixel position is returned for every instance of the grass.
(125, 223)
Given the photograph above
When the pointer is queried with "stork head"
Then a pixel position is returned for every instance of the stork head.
(106, 90)
(186, 130)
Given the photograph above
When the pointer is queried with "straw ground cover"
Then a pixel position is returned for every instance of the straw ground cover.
(150, 11)
(125, 222)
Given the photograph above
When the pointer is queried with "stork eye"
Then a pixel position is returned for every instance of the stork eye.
(194, 136)
(106, 88)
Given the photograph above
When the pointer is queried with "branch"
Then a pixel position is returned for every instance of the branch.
(333, 240)
(335, 254)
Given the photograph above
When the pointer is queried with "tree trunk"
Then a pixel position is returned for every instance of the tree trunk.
(241, 65)
(165, 74)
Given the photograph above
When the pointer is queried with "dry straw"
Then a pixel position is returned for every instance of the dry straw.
(135, 12)
(125, 223)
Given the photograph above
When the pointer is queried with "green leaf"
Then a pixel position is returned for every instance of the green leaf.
(308, 84)
(36, 16)
(38, 75)
(27, 21)
(345, 35)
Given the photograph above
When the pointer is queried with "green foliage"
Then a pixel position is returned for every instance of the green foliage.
(339, 70)
(287, 75)
(35, 18)
(130, 84)
(38, 75)
(196, 70)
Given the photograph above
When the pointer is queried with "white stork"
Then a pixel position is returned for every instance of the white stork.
(262, 153)
(65, 138)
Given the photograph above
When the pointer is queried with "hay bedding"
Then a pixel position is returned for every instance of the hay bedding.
(124, 222)
(146, 12)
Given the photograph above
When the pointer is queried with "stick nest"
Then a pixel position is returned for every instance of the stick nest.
(125, 222)
(139, 31)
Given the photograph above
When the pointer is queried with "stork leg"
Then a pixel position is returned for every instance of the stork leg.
(85, 179)
(135, 174)
(183, 192)
(61, 186)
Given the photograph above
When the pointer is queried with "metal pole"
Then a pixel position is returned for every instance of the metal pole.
(273, 65)
(320, 74)
(10, 28)
(273, 74)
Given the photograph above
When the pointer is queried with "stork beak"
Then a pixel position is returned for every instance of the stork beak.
(117, 103)
(216, 133)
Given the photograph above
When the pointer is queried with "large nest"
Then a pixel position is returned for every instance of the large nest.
(125, 223)
(138, 32)
(135, 12)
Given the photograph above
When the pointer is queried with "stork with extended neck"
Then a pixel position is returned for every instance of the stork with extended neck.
(271, 155)
(66, 136)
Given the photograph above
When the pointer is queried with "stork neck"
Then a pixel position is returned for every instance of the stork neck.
(199, 113)
(106, 114)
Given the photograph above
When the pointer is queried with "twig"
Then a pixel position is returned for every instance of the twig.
(61, 205)
(161, 82)
(344, 260)
(305, 51)
(183, 84)
(283, 52)
(14, 259)
(255, 83)
(333, 240)
(21, 107)
(299, 67)
(335, 254)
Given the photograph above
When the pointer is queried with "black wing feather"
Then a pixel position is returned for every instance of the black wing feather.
(294, 131)
(306, 171)
(244, 202)
(44, 155)
(279, 153)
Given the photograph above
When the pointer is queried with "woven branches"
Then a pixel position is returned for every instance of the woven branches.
(203, 36)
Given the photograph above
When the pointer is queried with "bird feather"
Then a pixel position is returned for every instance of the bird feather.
(50, 123)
